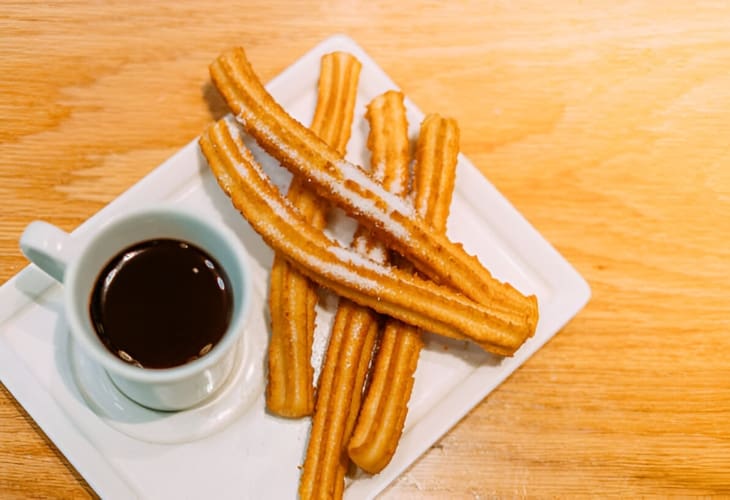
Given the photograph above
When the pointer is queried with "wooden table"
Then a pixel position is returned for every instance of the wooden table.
(607, 125)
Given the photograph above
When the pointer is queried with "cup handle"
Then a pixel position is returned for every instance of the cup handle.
(48, 247)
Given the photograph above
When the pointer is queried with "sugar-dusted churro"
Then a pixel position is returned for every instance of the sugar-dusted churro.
(513, 316)
(292, 296)
(383, 412)
(355, 328)
(386, 289)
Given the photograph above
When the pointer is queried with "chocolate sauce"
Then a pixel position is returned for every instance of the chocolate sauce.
(161, 303)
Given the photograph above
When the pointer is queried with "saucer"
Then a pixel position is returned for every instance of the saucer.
(244, 385)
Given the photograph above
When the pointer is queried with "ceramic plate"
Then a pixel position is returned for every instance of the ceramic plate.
(230, 447)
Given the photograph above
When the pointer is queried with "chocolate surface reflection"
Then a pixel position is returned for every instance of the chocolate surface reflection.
(161, 303)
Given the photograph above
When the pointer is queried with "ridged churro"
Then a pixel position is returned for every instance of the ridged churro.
(385, 406)
(292, 296)
(386, 289)
(355, 328)
(512, 316)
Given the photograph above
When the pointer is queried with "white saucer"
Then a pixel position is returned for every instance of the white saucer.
(244, 386)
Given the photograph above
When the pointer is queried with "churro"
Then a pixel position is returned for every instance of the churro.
(346, 272)
(512, 316)
(385, 405)
(355, 328)
(292, 296)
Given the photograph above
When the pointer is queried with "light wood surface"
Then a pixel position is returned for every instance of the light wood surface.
(606, 124)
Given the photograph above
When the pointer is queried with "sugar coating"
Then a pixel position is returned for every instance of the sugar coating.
(334, 263)
(373, 191)
(375, 251)
(393, 201)
(246, 117)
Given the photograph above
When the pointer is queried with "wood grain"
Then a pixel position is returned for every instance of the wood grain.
(606, 124)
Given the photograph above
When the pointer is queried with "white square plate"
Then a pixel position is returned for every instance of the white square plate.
(256, 455)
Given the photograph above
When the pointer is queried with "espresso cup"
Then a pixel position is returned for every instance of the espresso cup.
(80, 264)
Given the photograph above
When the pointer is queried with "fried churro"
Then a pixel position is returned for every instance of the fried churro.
(512, 317)
(385, 406)
(292, 296)
(355, 328)
(346, 272)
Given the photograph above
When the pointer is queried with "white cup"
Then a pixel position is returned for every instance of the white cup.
(78, 264)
